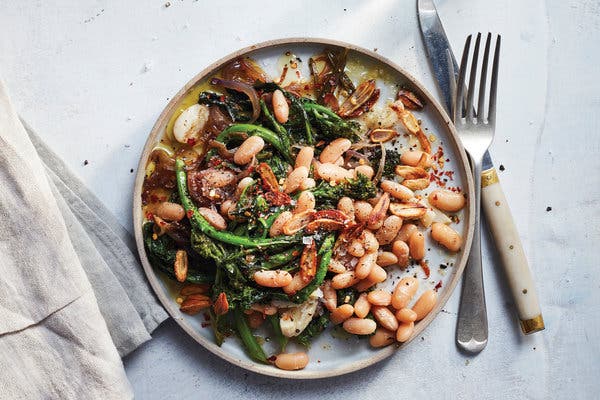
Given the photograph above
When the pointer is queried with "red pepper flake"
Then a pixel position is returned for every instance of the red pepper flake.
(449, 174)
(149, 215)
(190, 213)
(206, 316)
(438, 286)
(191, 141)
(205, 324)
(222, 98)
(272, 358)
(425, 267)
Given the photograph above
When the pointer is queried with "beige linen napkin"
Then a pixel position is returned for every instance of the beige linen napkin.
(72, 295)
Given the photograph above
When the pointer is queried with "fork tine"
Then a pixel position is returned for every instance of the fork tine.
(459, 99)
(452, 77)
(481, 103)
(494, 84)
(471, 89)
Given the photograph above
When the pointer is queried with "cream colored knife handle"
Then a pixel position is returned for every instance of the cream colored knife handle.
(508, 243)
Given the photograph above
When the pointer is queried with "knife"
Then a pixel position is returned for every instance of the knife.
(493, 201)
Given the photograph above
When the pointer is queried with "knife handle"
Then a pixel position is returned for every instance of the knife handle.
(508, 243)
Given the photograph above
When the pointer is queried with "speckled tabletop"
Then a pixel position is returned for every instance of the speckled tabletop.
(92, 76)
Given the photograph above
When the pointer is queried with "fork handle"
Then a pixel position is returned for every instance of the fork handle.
(508, 244)
(472, 324)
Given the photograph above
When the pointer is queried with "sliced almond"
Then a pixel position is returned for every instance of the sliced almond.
(408, 210)
(221, 305)
(298, 222)
(382, 135)
(180, 266)
(193, 306)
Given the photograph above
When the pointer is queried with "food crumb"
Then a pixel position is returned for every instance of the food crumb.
(85, 162)
(467, 362)
(167, 4)
(548, 209)
(502, 167)
(131, 171)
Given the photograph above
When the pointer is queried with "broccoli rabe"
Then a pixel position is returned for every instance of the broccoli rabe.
(392, 158)
(359, 188)
(328, 124)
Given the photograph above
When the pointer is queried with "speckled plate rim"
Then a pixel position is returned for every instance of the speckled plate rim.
(172, 307)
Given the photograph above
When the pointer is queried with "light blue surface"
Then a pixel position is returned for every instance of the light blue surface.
(92, 76)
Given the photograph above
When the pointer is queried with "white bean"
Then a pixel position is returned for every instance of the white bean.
(248, 149)
(404, 292)
(341, 313)
(307, 183)
(406, 315)
(416, 245)
(397, 190)
(334, 150)
(446, 200)
(304, 157)
(213, 218)
(365, 170)
(170, 211)
(386, 258)
(346, 205)
(385, 317)
(364, 265)
(402, 252)
(389, 230)
(281, 109)
(380, 297)
(405, 232)
(291, 361)
(382, 337)
(377, 274)
(277, 227)
(414, 158)
(344, 280)
(272, 278)
(425, 304)
(333, 173)
(294, 179)
(362, 306)
(405, 331)
(446, 236)
(362, 209)
(190, 122)
(306, 201)
(358, 326)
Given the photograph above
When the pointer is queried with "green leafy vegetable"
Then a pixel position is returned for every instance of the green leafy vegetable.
(359, 188)
(328, 124)
(237, 107)
(253, 349)
(314, 329)
(392, 158)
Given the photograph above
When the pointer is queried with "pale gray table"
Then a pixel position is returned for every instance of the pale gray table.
(92, 76)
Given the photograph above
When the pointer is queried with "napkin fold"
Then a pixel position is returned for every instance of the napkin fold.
(73, 297)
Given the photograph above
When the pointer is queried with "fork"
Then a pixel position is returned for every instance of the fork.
(476, 133)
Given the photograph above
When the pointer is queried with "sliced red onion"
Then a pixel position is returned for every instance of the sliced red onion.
(243, 88)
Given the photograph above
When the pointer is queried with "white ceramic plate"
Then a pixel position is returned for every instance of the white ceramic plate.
(333, 353)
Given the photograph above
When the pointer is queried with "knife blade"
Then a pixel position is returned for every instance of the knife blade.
(494, 204)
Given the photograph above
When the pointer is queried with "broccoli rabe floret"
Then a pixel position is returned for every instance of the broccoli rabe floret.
(359, 188)
(392, 158)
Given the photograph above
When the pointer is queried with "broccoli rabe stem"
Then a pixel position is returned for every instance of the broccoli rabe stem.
(198, 221)
(282, 258)
(281, 338)
(252, 347)
(325, 253)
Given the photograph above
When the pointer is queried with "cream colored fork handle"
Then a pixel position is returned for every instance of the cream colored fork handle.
(511, 252)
